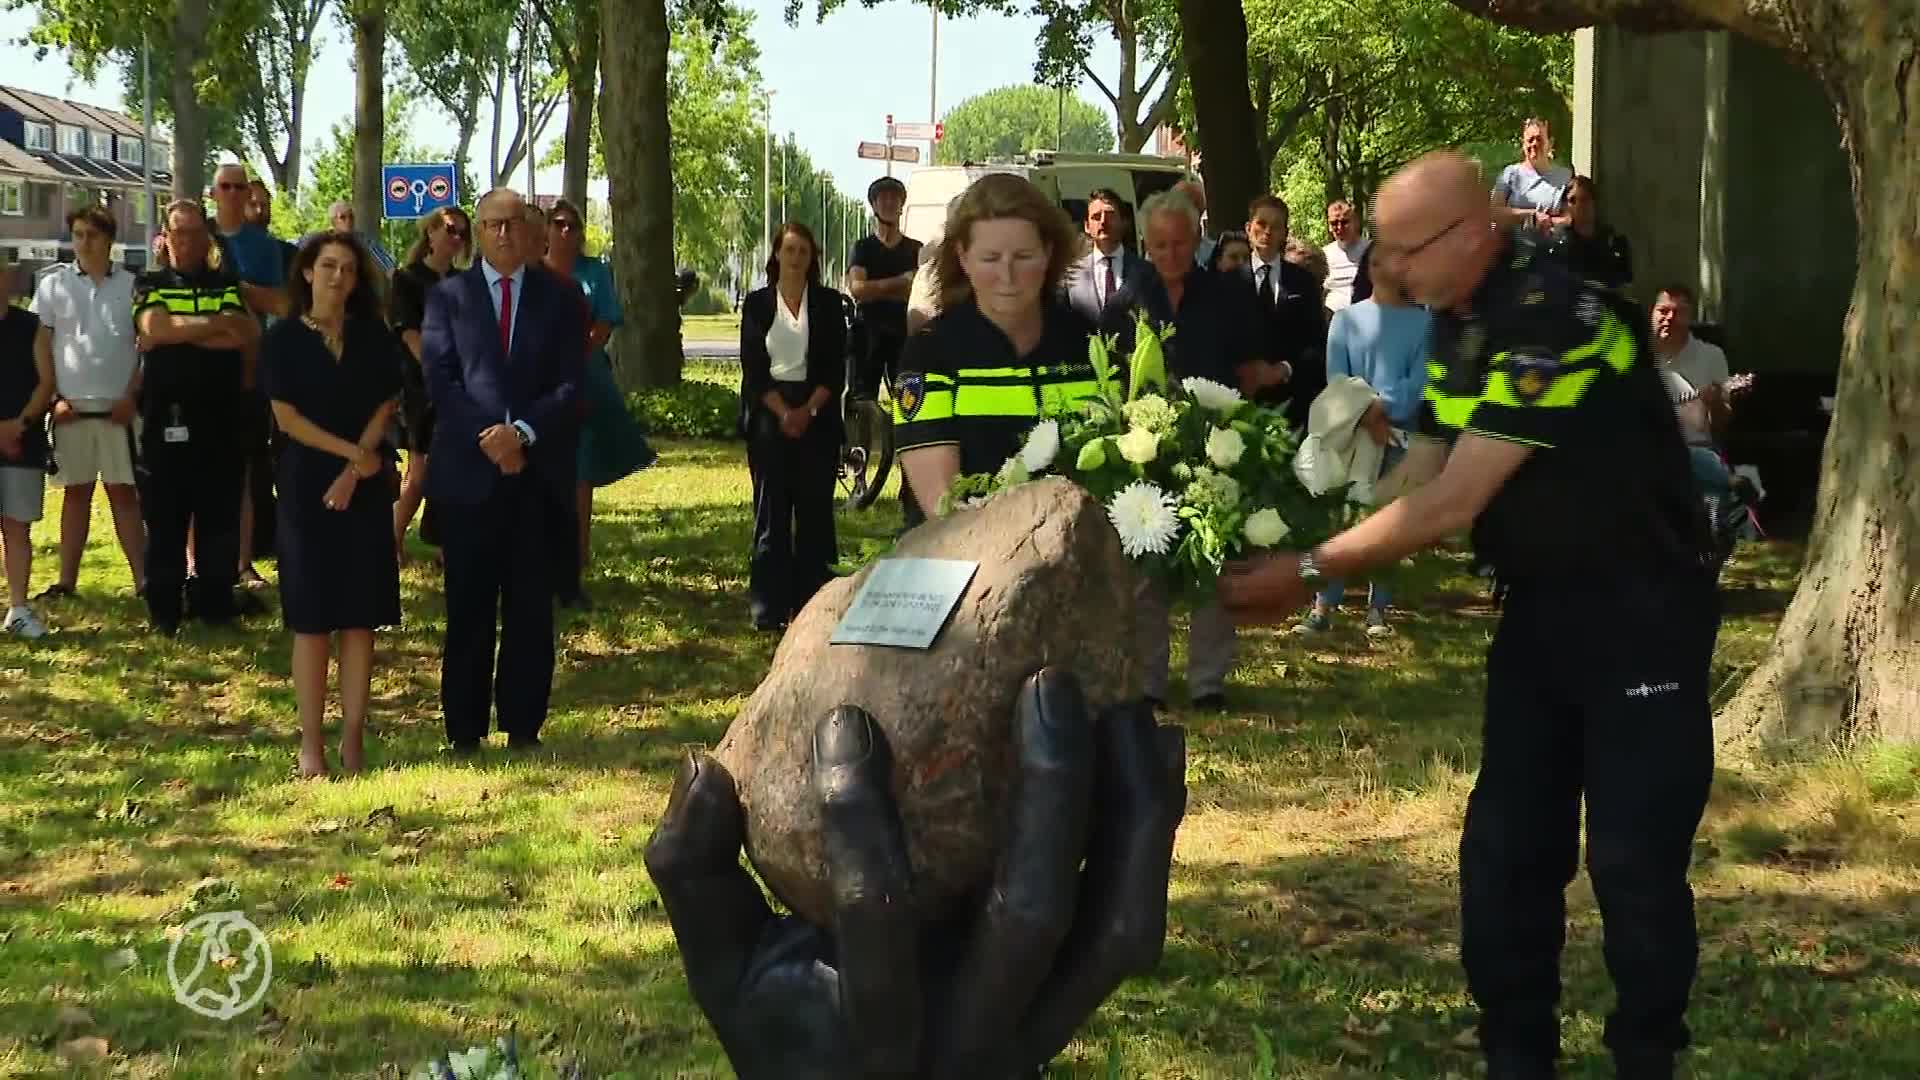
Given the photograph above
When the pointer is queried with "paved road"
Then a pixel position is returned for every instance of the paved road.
(712, 350)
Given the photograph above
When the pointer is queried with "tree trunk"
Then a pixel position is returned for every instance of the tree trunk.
(638, 147)
(190, 25)
(369, 113)
(465, 124)
(582, 82)
(1845, 662)
(1215, 36)
(499, 95)
(1844, 666)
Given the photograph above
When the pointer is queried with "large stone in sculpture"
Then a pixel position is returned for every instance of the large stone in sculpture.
(1053, 587)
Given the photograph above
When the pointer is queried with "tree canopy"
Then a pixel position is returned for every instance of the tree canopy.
(1016, 119)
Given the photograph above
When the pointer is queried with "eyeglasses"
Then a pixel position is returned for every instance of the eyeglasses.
(500, 224)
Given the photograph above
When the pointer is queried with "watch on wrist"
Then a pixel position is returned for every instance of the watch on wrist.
(521, 434)
(1309, 568)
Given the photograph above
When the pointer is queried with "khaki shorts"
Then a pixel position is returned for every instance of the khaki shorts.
(23, 493)
(93, 448)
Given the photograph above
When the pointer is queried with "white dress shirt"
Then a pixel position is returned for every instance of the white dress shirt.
(519, 279)
(1117, 260)
(787, 340)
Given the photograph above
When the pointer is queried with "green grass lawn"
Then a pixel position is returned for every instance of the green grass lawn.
(710, 327)
(429, 904)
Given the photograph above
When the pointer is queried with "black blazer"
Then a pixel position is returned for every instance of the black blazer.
(1296, 331)
(826, 353)
(474, 385)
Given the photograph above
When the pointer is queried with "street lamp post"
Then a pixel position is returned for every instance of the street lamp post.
(766, 182)
(933, 79)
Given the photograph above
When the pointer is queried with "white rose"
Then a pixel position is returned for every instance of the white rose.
(1043, 444)
(1224, 447)
(1264, 528)
(1138, 445)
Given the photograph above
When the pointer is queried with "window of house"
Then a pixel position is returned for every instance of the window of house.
(73, 141)
(140, 207)
(39, 136)
(42, 200)
(12, 198)
(162, 155)
(132, 152)
(102, 145)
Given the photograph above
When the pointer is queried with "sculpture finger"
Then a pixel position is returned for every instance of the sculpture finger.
(1030, 904)
(717, 910)
(875, 923)
(1120, 925)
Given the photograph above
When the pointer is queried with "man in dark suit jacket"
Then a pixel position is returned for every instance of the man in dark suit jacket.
(504, 348)
(1109, 266)
(1291, 298)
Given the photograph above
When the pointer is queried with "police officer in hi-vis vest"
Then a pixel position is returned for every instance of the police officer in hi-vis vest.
(1567, 465)
(1003, 352)
(195, 335)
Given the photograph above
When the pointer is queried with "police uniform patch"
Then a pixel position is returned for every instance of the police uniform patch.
(912, 393)
(1589, 308)
(1472, 338)
(1532, 372)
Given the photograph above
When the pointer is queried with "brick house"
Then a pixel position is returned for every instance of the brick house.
(56, 155)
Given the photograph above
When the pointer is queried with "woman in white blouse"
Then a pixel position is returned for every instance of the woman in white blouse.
(1533, 192)
(793, 369)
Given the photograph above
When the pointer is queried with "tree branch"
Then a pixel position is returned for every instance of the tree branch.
(1767, 21)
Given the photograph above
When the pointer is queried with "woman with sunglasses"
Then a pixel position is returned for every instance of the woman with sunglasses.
(445, 243)
(612, 445)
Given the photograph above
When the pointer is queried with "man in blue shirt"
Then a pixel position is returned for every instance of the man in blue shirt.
(1383, 340)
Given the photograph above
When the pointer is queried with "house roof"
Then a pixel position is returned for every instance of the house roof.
(47, 165)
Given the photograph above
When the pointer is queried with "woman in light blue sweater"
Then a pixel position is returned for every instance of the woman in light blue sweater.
(1383, 340)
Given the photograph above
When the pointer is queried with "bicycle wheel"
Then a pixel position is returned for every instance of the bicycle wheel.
(867, 456)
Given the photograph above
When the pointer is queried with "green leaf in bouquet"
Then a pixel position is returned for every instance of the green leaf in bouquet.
(1100, 355)
(1148, 364)
(1092, 456)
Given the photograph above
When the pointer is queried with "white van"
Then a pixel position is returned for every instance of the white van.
(1066, 178)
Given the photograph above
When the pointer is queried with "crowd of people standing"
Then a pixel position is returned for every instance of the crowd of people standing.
(243, 371)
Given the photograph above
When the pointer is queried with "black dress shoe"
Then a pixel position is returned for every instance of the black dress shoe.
(1215, 702)
(523, 742)
(1156, 704)
(769, 623)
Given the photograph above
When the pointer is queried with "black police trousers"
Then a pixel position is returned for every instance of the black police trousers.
(1595, 689)
(198, 488)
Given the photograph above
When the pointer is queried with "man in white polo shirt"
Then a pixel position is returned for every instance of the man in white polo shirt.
(86, 330)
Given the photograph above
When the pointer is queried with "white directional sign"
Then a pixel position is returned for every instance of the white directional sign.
(908, 154)
(874, 151)
(914, 132)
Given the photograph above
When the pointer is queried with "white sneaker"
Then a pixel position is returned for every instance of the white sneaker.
(1377, 623)
(22, 622)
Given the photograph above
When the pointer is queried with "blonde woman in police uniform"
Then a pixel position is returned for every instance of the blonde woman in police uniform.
(1003, 352)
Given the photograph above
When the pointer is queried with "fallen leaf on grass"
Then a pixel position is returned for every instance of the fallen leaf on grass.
(381, 815)
(340, 881)
(327, 827)
(1351, 1045)
(122, 959)
(1313, 937)
(417, 836)
(271, 1023)
(71, 1018)
(1842, 965)
(85, 1050)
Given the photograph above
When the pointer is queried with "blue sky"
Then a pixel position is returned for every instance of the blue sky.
(834, 81)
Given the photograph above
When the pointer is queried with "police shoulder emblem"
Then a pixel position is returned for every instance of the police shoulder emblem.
(1473, 337)
(1589, 308)
(912, 393)
(1531, 371)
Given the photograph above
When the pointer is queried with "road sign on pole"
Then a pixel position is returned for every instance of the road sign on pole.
(414, 191)
(915, 132)
(873, 151)
(908, 154)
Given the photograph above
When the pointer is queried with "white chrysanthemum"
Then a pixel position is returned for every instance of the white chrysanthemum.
(1264, 528)
(1042, 446)
(1224, 447)
(1012, 471)
(1151, 411)
(1138, 445)
(976, 502)
(1143, 516)
(1211, 395)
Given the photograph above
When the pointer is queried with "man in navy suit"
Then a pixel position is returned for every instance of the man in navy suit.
(1108, 267)
(504, 347)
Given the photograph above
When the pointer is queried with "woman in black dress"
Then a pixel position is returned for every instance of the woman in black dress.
(446, 242)
(333, 373)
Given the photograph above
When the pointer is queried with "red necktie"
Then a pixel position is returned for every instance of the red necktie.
(506, 316)
(1107, 294)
